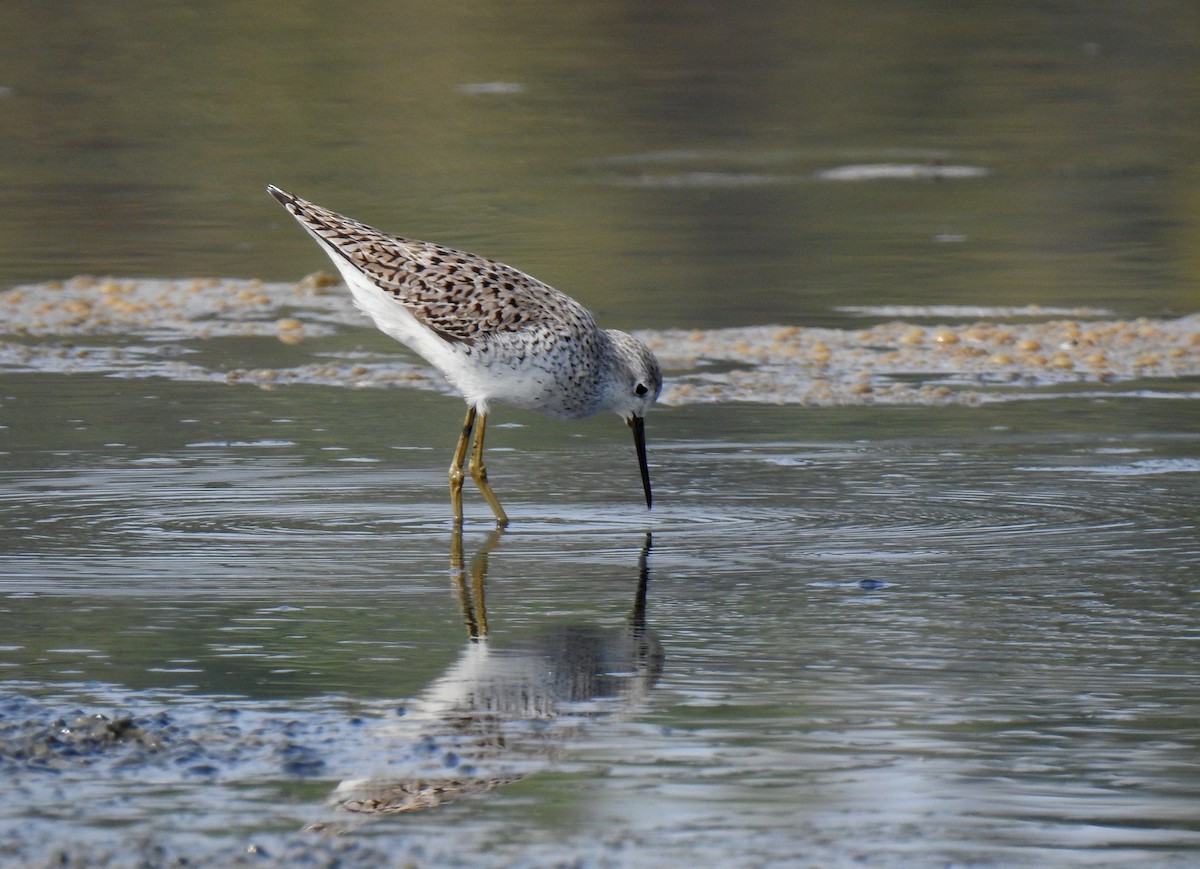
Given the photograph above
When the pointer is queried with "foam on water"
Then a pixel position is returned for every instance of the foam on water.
(934, 355)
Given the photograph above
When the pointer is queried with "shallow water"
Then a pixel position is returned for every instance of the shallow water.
(901, 635)
(919, 586)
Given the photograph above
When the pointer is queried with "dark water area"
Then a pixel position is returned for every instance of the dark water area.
(919, 587)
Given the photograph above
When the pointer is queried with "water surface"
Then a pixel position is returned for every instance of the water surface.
(967, 636)
(919, 587)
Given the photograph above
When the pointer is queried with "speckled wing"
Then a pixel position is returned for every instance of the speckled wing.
(462, 297)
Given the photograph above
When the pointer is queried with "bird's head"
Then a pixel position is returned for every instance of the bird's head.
(634, 384)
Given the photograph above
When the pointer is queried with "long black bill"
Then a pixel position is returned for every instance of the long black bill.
(638, 424)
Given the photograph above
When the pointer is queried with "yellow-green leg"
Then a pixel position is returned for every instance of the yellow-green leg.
(479, 473)
(456, 466)
(476, 468)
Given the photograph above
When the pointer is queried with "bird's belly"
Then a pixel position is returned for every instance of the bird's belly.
(534, 382)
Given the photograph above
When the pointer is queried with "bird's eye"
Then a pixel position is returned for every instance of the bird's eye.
(641, 389)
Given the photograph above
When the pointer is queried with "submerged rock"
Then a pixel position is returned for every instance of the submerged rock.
(80, 739)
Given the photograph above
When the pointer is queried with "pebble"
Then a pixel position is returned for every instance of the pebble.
(945, 336)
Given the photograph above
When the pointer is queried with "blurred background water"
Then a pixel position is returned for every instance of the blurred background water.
(889, 635)
(660, 157)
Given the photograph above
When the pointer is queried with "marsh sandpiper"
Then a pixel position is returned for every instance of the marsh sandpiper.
(495, 333)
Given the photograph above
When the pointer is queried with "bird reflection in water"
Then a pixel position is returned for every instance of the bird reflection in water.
(501, 713)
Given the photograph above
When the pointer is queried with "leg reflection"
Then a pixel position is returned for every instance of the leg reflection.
(469, 589)
(504, 710)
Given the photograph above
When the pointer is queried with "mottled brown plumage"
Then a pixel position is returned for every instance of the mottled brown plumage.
(460, 296)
